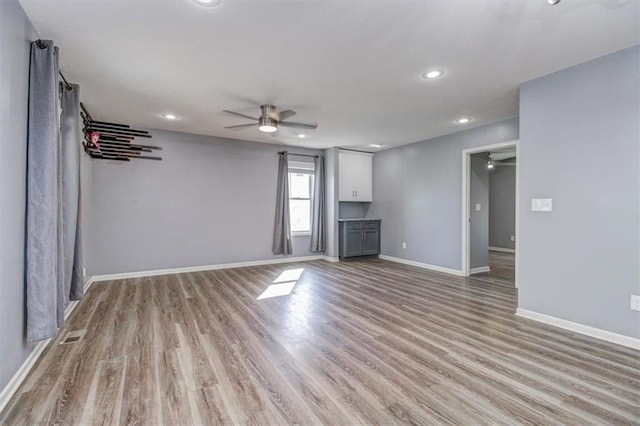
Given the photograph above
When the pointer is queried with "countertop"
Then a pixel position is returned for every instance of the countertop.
(359, 220)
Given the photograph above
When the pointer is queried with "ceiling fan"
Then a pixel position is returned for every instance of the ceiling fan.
(270, 119)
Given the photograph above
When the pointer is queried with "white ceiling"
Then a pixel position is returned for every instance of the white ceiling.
(354, 67)
(503, 154)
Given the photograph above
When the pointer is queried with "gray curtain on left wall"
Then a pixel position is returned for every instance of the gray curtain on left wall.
(52, 207)
(282, 227)
(318, 223)
(70, 133)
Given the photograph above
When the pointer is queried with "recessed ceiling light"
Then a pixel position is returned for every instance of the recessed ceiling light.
(208, 3)
(463, 120)
(170, 116)
(552, 2)
(302, 135)
(432, 74)
(375, 145)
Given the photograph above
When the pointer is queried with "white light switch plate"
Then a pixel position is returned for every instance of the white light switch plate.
(541, 204)
(404, 245)
(478, 207)
(635, 302)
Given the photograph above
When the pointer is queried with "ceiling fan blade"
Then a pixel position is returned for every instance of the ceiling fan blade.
(240, 126)
(239, 115)
(287, 113)
(297, 125)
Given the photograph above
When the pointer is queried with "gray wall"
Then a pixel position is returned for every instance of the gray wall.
(579, 145)
(16, 34)
(417, 192)
(210, 201)
(351, 210)
(479, 194)
(502, 206)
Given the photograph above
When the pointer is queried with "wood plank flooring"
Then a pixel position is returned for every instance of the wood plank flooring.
(361, 342)
(502, 267)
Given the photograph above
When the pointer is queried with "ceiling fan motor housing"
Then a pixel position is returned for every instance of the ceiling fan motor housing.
(268, 111)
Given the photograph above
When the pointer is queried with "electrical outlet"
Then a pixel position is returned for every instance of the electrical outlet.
(635, 302)
(513, 238)
(404, 246)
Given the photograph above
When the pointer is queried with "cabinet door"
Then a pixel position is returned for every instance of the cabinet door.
(346, 191)
(354, 176)
(353, 243)
(371, 241)
(363, 178)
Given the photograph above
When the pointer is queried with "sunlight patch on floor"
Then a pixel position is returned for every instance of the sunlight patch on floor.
(283, 285)
(277, 290)
(289, 275)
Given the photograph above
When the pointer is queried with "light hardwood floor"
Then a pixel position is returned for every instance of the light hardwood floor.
(363, 342)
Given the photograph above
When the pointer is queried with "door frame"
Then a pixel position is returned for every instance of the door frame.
(466, 200)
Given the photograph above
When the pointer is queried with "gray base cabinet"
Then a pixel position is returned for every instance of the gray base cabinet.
(359, 238)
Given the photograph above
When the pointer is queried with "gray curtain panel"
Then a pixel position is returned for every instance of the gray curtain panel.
(70, 184)
(53, 250)
(282, 228)
(318, 223)
(43, 146)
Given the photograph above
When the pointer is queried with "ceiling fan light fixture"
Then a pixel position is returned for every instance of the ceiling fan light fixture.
(267, 125)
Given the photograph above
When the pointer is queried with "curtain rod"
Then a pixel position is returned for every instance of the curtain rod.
(41, 45)
(299, 155)
(66, 83)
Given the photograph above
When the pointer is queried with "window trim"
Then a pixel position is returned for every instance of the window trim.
(307, 169)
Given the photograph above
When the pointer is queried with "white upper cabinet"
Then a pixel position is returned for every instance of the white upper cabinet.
(355, 176)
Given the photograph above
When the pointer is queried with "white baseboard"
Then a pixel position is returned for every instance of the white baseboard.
(503, 250)
(125, 275)
(72, 305)
(331, 259)
(479, 270)
(421, 265)
(598, 333)
(37, 350)
(17, 379)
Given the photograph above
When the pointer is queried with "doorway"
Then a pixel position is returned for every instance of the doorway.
(489, 244)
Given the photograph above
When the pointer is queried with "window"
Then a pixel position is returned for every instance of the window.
(300, 196)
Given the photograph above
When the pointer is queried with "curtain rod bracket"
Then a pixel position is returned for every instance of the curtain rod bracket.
(42, 45)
